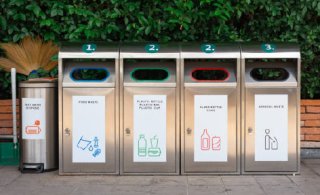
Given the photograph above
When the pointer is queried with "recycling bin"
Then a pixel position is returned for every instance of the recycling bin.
(270, 108)
(38, 126)
(89, 108)
(149, 109)
(210, 108)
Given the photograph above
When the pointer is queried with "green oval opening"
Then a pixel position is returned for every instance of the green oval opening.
(89, 74)
(269, 74)
(209, 74)
(149, 74)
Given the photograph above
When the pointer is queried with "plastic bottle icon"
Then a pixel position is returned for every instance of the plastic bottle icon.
(96, 144)
(142, 146)
(205, 140)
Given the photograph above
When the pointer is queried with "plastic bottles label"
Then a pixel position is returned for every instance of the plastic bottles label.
(150, 128)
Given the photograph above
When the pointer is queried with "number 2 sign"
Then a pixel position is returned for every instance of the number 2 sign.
(208, 48)
(152, 48)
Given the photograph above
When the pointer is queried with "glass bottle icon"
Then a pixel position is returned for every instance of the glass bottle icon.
(205, 140)
(142, 146)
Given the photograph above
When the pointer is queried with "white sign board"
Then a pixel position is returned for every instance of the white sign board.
(271, 127)
(210, 128)
(33, 118)
(149, 127)
(88, 133)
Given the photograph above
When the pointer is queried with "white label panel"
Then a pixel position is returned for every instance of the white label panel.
(271, 128)
(210, 128)
(88, 133)
(33, 118)
(149, 128)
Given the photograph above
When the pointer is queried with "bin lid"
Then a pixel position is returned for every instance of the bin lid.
(151, 50)
(89, 50)
(39, 84)
(253, 50)
(210, 50)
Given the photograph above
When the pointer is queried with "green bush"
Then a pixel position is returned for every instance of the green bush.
(167, 20)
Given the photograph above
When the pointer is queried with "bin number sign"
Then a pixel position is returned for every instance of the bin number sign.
(208, 48)
(34, 118)
(152, 48)
(268, 47)
(89, 48)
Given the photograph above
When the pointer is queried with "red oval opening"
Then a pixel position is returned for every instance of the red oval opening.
(209, 74)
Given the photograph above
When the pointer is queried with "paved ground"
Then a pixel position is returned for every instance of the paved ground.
(12, 182)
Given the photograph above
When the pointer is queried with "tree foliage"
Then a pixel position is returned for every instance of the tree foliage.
(168, 20)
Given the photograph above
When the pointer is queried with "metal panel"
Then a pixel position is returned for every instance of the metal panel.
(252, 50)
(210, 167)
(137, 50)
(110, 136)
(42, 151)
(192, 50)
(130, 167)
(292, 88)
(104, 51)
(73, 50)
(271, 166)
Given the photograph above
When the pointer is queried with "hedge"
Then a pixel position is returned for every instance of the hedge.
(167, 20)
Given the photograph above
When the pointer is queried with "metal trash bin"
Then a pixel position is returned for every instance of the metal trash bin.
(38, 126)
(149, 109)
(89, 108)
(210, 108)
(270, 108)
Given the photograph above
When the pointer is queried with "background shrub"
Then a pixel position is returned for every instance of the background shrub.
(168, 20)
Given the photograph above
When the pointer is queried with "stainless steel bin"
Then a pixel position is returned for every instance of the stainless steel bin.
(89, 108)
(38, 126)
(270, 108)
(210, 108)
(149, 109)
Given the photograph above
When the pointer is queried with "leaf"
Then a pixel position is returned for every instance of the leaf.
(174, 21)
(147, 31)
(36, 9)
(16, 37)
(114, 27)
(185, 26)
(54, 57)
(54, 12)
(304, 10)
(3, 23)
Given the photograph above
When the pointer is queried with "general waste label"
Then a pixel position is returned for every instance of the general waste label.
(88, 133)
(208, 48)
(150, 128)
(268, 48)
(33, 118)
(271, 127)
(211, 128)
(152, 48)
(89, 48)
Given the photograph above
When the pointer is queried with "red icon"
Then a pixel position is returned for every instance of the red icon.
(34, 129)
(205, 140)
(216, 143)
